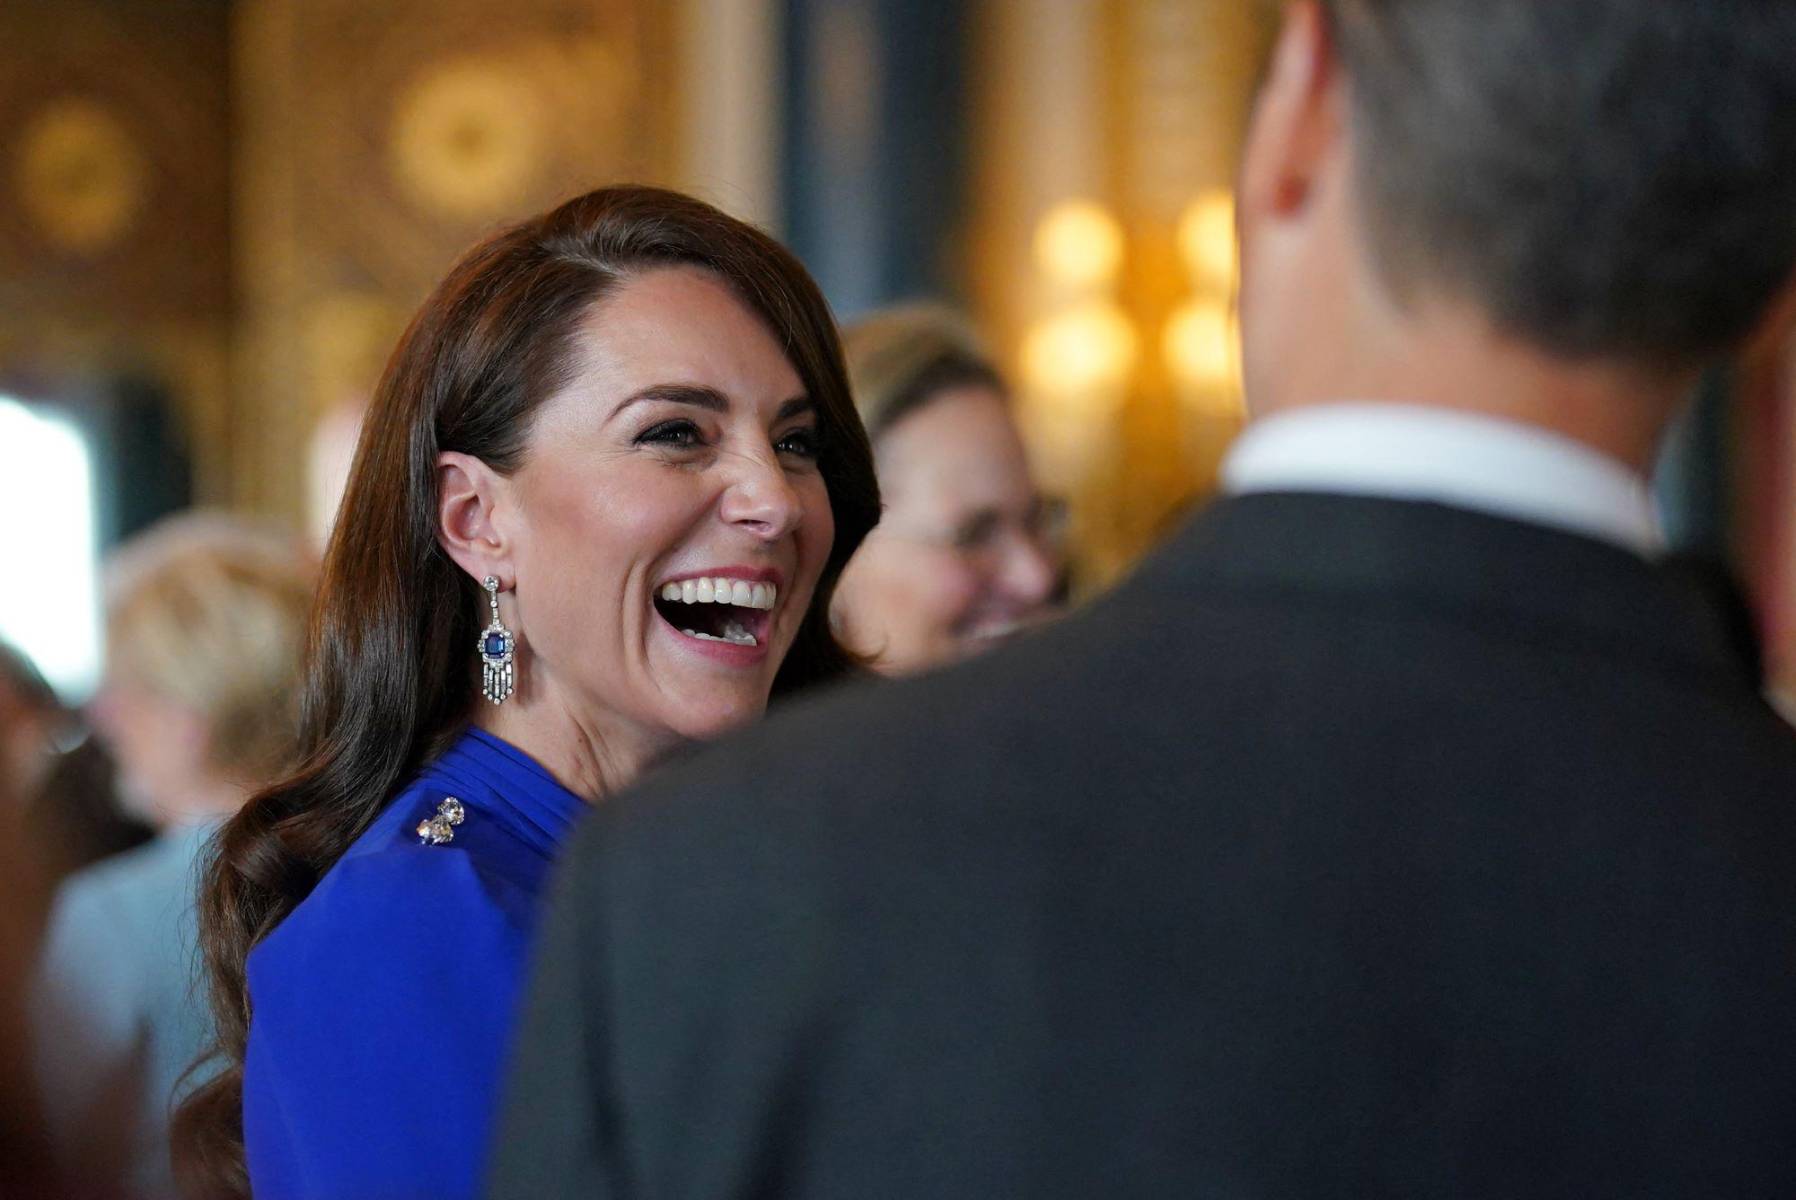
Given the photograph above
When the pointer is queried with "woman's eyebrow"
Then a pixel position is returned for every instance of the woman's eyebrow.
(707, 398)
(691, 394)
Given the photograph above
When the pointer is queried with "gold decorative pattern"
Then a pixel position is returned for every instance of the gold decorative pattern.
(80, 176)
(377, 143)
(347, 335)
(468, 139)
(115, 207)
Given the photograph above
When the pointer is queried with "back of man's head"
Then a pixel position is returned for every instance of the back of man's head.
(1606, 179)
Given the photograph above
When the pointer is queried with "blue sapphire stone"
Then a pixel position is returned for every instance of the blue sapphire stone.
(495, 645)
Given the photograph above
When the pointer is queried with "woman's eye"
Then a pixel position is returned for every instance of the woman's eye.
(976, 532)
(802, 442)
(670, 433)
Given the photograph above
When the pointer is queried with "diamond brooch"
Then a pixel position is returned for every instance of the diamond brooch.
(440, 829)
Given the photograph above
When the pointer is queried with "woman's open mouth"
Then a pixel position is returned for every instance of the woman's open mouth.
(719, 608)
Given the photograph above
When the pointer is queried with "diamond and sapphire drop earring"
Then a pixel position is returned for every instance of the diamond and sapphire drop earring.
(496, 647)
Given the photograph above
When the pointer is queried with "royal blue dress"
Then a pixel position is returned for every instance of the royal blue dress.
(381, 1008)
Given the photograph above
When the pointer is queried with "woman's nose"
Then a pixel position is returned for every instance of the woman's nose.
(761, 500)
(1029, 570)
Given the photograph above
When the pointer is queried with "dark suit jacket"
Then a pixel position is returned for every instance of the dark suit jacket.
(1353, 848)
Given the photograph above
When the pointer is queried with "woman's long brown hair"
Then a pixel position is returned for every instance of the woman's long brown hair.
(390, 664)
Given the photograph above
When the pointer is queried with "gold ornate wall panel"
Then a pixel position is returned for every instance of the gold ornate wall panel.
(376, 142)
(1107, 134)
(1185, 72)
(114, 201)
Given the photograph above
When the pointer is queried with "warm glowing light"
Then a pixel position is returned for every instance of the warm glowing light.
(1082, 356)
(1199, 344)
(1079, 244)
(46, 478)
(1207, 239)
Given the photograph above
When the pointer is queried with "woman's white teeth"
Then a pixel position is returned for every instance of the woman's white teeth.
(738, 592)
(732, 632)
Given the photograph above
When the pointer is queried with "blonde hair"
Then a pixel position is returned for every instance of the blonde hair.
(209, 611)
(901, 358)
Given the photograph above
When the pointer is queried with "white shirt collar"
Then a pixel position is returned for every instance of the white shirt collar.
(1467, 460)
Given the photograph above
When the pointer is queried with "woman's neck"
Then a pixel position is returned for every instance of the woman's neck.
(591, 756)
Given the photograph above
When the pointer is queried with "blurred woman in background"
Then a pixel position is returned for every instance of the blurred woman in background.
(204, 630)
(966, 553)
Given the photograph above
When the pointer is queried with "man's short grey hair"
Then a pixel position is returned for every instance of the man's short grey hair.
(1607, 179)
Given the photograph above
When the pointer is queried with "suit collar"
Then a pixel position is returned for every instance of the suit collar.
(1422, 557)
(1469, 460)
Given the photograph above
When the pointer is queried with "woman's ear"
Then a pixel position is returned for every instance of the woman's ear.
(468, 496)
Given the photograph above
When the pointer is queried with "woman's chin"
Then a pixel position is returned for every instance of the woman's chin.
(716, 717)
(705, 706)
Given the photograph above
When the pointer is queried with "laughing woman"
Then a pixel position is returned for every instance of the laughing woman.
(606, 487)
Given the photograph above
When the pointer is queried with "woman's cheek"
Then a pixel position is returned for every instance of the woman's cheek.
(956, 591)
(818, 534)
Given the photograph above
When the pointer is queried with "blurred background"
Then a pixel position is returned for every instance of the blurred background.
(216, 216)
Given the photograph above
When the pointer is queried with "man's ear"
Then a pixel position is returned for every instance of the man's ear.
(468, 494)
(1296, 120)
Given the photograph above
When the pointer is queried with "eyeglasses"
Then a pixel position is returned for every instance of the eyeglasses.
(981, 536)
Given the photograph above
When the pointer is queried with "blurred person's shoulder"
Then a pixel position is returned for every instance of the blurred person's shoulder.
(115, 892)
(120, 937)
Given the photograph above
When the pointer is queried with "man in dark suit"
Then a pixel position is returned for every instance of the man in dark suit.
(1399, 830)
